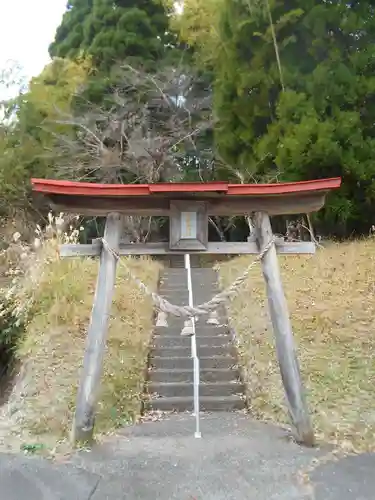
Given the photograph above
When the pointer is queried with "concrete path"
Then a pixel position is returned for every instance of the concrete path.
(23, 478)
(236, 459)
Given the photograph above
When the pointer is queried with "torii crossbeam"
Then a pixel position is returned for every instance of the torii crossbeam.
(188, 206)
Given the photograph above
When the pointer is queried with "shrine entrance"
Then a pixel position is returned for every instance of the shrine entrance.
(188, 205)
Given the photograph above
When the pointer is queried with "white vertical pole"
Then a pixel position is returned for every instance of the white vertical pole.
(190, 292)
(197, 433)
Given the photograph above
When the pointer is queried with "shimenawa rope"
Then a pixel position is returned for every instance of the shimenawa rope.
(187, 311)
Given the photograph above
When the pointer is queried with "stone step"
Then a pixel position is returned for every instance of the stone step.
(180, 282)
(197, 279)
(201, 279)
(183, 389)
(197, 271)
(176, 332)
(201, 319)
(170, 376)
(198, 294)
(187, 362)
(185, 351)
(201, 329)
(161, 341)
(182, 288)
(186, 375)
(182, 300)
(207, 403)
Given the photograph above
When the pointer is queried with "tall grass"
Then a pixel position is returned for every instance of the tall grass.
(331, 302)
(53, 302)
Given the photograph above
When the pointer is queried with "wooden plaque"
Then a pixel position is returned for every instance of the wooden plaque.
(188, 226)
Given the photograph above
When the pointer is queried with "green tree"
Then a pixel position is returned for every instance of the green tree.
(32, 127)
(112, 31)
(303, 107)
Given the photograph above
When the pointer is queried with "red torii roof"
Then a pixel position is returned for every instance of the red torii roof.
(48, 186)
(153, 199)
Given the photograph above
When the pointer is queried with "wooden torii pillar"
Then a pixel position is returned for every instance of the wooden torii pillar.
(188, 205)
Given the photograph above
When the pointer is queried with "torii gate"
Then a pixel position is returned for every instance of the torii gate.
(188, 206)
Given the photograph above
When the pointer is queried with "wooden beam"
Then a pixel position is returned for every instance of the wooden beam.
(215, 248)
(282, 328)
(83, 425)
(220, 206)
(93, 250)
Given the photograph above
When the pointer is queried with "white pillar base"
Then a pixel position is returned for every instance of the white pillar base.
(162, 319)
(213, 318)
(188, 329)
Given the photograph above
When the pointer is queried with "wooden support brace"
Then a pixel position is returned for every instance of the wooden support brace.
(216, 248)
(282, 328)
(84, 418)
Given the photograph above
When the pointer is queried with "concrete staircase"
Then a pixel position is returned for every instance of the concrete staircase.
(170, 376)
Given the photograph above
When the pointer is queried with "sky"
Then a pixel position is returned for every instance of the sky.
(27, 29)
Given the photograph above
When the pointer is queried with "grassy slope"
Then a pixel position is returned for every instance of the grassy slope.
(331, 301)
(53, 347)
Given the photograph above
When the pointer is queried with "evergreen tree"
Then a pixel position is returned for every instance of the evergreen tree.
(112, 31)
(295, 98)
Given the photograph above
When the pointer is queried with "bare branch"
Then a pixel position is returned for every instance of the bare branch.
(150, 132)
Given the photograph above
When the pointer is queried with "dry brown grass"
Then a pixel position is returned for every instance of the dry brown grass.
(52, 350)
(331, 302)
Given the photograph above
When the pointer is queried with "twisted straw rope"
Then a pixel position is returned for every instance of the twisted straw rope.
(188, 311)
